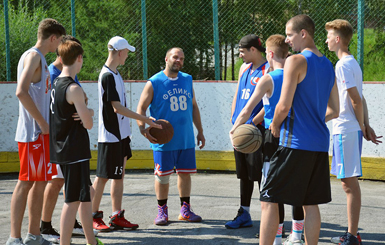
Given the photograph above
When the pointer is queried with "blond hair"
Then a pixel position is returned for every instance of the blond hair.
(277, 44)
(342, 28)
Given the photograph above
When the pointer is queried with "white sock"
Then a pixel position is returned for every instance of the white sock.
(246, 208)
(278, 237)
(297, 229)
(116, 212)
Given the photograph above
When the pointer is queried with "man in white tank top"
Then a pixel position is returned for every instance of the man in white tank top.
(33, 92)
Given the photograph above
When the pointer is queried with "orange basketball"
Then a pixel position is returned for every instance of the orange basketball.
(165, 134)
(247, 138)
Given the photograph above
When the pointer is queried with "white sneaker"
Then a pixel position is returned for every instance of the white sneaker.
(80, 232)
(51, 238)
(289, 241)
(14, 241)
(35, 240)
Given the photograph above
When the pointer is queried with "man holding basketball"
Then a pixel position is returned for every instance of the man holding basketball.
(299, 170)
(170, 95)
(248, 166)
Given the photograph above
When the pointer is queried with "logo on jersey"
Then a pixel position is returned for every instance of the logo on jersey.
(266, 195)
(254, 81)
(36, 146)
(47, 80)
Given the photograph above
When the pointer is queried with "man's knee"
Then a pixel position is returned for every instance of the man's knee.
(164, 180)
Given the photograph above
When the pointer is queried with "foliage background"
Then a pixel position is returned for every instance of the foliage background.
(189, 25)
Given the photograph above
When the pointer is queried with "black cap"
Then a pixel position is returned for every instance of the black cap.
(251, 40)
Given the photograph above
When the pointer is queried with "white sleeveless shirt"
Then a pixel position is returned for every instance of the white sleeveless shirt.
(27, 128)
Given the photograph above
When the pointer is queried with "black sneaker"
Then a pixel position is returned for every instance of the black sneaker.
(50, 234)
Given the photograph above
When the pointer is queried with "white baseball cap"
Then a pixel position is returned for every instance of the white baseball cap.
(119, 43)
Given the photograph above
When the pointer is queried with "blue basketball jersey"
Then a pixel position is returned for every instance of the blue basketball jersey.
(173, 101)
(305, 127)
(270, 103)
(246, 88)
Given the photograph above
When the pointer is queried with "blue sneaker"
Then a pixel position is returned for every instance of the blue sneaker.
(243, 219)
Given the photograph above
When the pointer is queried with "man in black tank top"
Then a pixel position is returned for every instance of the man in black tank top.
(69, 142)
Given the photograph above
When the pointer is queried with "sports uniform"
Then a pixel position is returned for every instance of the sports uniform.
(114, 129)
(33, 146)
(69, 144)
(249, 166)
(347, 135)
(304, 142)
(173, 101)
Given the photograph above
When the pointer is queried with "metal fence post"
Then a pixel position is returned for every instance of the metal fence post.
(216, 40)
(73, 18)
(7, 46)
(360, 33)
(144, 40)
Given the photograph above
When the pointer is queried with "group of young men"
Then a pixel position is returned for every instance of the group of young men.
(288, 99)
(291, 105)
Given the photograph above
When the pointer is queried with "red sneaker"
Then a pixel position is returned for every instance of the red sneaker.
(98, 223)
(118, 222)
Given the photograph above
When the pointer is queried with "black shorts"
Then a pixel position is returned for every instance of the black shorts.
(249, 166)
(111, 158)
(270, 145)
(298, 177)
(77, 181)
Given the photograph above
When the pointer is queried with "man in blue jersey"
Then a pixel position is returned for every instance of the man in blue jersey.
(248, 166)
(299, 171)
(170, 95)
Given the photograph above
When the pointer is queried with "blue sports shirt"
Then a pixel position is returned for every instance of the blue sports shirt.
(270, 103)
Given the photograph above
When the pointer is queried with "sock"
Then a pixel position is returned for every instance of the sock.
(246, 208)
(162, 202)
(93, 214)
(45, 225)
(116, 212)
(184, 199)
(278, 237)
(297, 229)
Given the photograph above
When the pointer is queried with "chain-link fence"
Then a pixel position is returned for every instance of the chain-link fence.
(153, 26)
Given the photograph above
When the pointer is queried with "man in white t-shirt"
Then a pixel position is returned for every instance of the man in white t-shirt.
(350, 127)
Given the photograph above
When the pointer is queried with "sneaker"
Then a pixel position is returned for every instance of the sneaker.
(243, 219)
(187, 214)
(78, 230)
(98, 242)
(350, 240)
(118, 222)
(50, 235)
(14, 241)
(98, 223)
(342, 238)
(290, 241)
(162, 217)
(35, 240)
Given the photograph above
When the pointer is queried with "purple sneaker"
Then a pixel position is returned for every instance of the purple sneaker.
(162, 217)
(187, 214)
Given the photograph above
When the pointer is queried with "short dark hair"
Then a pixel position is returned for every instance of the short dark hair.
(69, 52)
(302, 22)
(168, 51)
(48, 27)
(68, 38)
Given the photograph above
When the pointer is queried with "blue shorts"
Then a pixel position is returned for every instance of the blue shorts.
(182, 160)
(347, 150)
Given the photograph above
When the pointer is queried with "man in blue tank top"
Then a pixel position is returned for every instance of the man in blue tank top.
(170, 95)
(299, 171)
(248, 166)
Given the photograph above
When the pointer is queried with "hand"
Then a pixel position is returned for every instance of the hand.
(150, 121)
(201, 141)
(275, 130)
(146, 133)
(44, 127)
(371, 135)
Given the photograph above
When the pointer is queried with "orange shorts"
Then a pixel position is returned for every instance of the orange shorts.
(34, 160)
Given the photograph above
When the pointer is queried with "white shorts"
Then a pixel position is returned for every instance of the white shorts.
(347, 150)
(59, 174)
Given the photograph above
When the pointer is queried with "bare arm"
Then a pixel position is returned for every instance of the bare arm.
(264, 86)
(201, 141)
(333, 107)
(294, 72)
(75, 96)
(31, 64)
(122, 110)
(370, 134)
(144, 102)
(357, 104)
